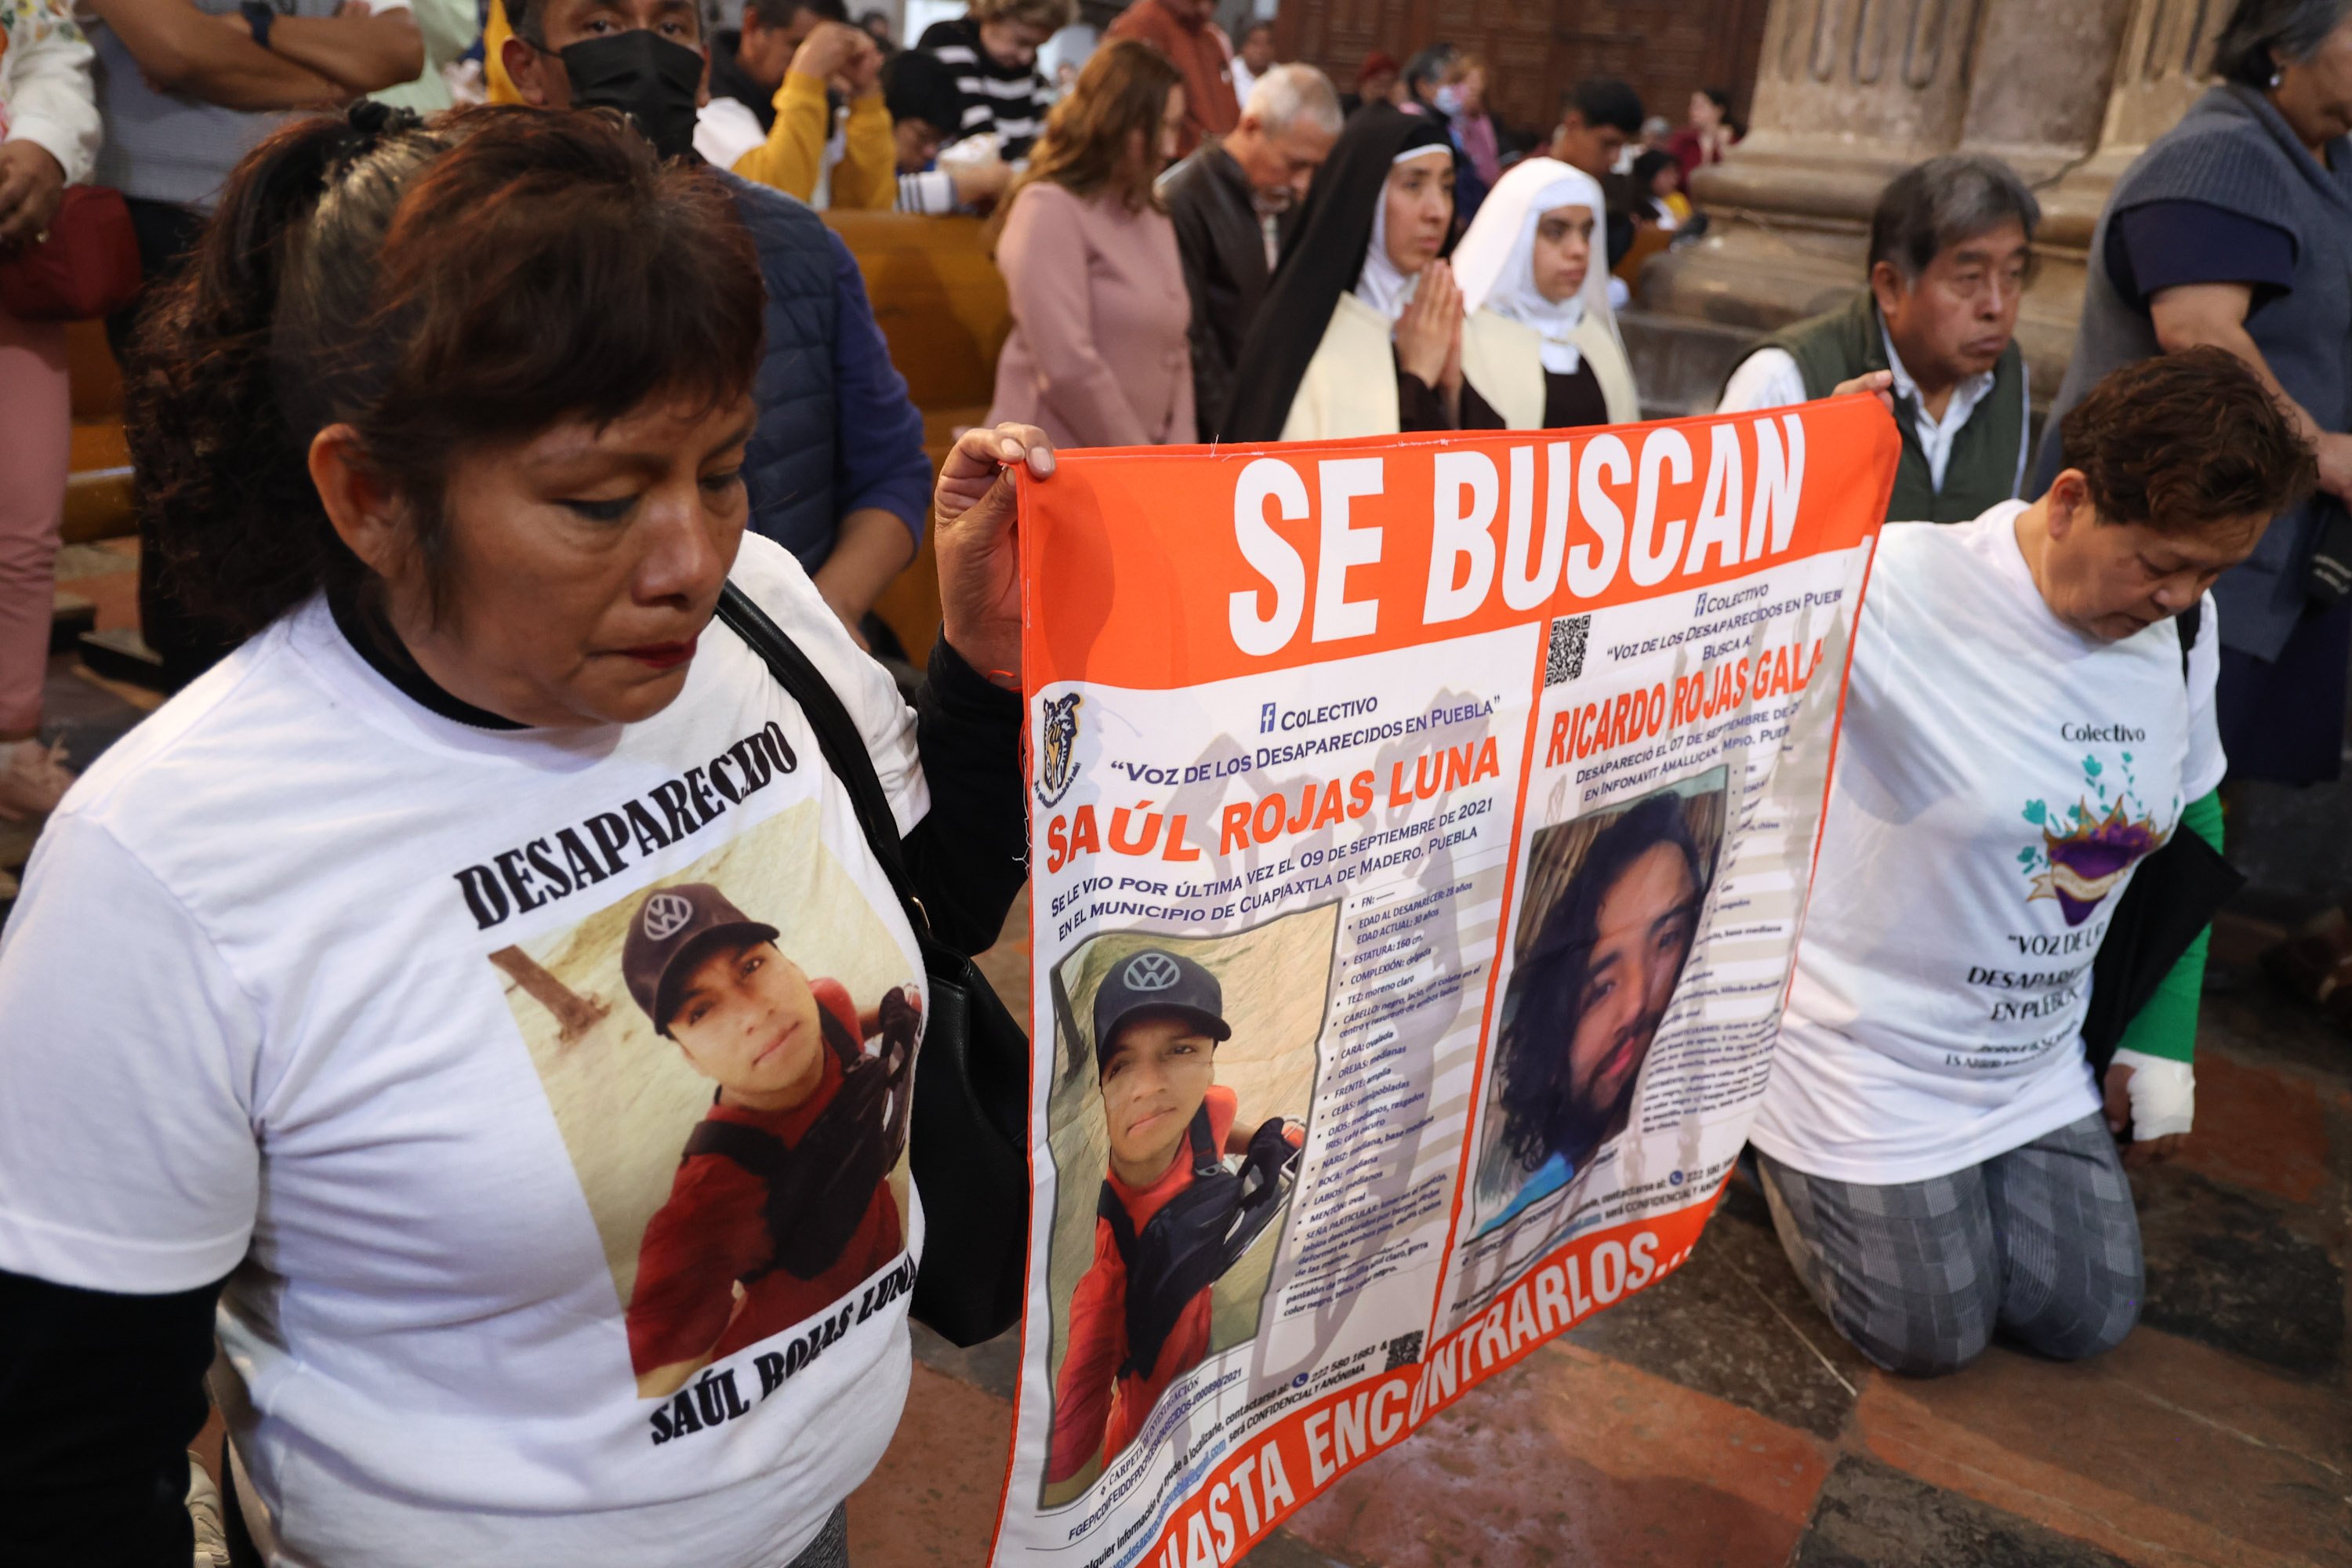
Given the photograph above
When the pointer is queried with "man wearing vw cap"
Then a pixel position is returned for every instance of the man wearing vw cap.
(1158, 1019)
(784, 1187)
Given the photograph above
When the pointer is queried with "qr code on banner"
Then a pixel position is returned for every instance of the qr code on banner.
(1404, 1351)
(1565, 659)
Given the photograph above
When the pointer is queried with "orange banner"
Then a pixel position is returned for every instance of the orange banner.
(1420, 834)
(1169, 566)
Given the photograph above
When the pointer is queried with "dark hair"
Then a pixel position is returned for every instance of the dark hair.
(1123, 88)
(2262, 34)
(1932, 207)
(780, 12)
(1646, 167)
(1605, 100)
(1718, 96)
(1048, 15)
(1541, 1114)
(918, 85)
(2182, 441)
(437, 288)
(1253, 29)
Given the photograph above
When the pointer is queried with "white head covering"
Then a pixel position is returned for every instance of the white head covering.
(1380, 285)
(1496, 262)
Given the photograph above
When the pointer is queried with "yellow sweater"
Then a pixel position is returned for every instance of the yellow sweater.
(867, 178)
(495, 34)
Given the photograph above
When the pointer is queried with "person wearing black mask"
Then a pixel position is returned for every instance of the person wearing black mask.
(835, 466)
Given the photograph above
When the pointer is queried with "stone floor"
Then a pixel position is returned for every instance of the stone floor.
(1718, 1420)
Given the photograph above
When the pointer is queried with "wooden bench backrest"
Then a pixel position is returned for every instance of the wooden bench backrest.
(941, 306)
(937, 298)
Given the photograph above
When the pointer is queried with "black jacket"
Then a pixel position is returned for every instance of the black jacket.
(730, 80)
(1219, 235)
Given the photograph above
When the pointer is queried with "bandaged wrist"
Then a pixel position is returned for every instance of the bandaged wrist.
(2163, 1094)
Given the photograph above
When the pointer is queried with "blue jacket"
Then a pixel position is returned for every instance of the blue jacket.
(836, 431)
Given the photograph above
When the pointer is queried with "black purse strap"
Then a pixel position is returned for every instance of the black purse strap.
(836, 737)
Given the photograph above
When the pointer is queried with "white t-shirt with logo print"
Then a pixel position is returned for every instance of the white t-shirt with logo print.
(311, 984)
(1998, 775)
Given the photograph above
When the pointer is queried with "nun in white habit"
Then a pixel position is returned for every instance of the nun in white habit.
(1540, 350)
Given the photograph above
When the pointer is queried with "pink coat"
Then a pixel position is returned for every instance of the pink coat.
(1098, 355)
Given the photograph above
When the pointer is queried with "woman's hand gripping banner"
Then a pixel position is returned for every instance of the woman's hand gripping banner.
(1421, 828)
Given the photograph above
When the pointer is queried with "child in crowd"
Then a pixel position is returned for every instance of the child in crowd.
(1658, 182)
(1171, 1218)
(782, 1203)
(921, 94)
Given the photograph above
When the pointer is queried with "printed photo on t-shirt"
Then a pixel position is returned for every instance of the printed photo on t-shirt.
(1605, 928)
(730, 1055)
(1185, 1072)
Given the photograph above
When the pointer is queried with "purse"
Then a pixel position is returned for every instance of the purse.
(87, 267)
(2174, 894)
(970, 1133)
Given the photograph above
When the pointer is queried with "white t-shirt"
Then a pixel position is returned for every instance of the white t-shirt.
(725, 128)
(1934, 1020)
(313, 984)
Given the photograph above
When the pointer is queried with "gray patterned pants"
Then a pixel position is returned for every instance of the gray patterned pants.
(830, 1547)
(2041, 1241)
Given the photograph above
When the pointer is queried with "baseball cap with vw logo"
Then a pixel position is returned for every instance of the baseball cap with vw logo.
(674, 929)
(1154, 981)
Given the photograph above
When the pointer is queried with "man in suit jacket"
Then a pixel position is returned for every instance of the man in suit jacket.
(1231, 201)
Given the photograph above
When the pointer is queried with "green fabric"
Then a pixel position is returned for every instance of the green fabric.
(1982, 472)
(2166, 1026)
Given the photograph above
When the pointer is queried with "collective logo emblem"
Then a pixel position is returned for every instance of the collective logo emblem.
(2102, 839)
(1061, 749)
(1151, 972)
(665, 915)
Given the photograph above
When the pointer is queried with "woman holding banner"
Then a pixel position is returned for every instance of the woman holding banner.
(277, 1068)
(2027, 721)
(1539, 350)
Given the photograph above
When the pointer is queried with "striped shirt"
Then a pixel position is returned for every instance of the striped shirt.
(932, 192)
(1008, 100)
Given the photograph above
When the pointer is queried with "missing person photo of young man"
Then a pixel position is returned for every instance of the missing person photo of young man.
(1612, 909)
(728, 1057)
(1179, 1127)
(781, 1203)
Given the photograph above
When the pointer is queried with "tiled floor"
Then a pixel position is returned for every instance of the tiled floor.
(1718, 1419)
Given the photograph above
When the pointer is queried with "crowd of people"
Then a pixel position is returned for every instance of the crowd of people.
(449, 431)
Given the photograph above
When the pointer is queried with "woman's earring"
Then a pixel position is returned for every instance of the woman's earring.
(2275, 76)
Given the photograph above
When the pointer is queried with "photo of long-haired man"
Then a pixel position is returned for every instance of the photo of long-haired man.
(1612, 909)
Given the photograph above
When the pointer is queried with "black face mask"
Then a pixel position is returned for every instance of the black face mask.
(650, 78)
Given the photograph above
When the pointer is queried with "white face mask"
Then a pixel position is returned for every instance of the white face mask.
(1449, 100)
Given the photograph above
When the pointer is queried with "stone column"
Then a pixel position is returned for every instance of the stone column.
(1849, 93)
(2165, 64)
